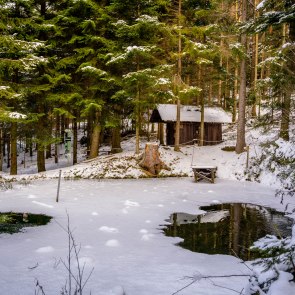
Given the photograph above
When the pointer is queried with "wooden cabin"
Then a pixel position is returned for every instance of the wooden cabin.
(190, 121)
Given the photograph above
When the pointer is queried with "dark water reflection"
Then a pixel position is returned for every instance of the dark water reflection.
(11, 222)
(227, 228)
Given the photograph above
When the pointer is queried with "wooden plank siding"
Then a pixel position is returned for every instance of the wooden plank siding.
(190, 131)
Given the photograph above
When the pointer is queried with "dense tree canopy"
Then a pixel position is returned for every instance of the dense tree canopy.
(109, 62)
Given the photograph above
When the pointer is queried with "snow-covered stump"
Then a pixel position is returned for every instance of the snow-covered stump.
(151, 161)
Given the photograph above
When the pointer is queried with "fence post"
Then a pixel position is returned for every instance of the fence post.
(58, 186)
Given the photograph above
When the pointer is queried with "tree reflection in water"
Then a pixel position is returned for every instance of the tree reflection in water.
(227, 228)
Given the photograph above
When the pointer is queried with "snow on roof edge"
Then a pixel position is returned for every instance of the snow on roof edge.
(189, 113)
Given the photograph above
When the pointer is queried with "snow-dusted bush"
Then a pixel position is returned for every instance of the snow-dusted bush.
(274, 274)
(4, 184)
(275, 166)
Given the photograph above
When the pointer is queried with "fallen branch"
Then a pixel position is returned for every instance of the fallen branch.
(200, 277)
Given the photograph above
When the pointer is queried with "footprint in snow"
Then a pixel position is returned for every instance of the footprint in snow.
(125, 211)
(131, 203)
(112, 243)
(145, 235)
(47, 249)
(118, 290)
(107, 229)
(88, 247)
(32, 197)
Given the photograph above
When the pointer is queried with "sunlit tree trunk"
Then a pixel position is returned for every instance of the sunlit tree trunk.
(202, 124)
(262, 76)
(235, 94)
(178, 82)
(95, 136)
(255, 65)
(219, 98)
(241, 141)
(289, 88)
(161, 133)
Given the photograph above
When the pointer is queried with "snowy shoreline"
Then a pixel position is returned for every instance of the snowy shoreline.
(118, 223)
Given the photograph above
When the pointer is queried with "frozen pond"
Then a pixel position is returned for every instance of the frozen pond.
(116, 224)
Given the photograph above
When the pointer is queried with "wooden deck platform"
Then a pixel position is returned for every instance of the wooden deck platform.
(204, 173)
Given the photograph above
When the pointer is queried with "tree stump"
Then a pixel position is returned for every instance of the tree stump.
(151, 161)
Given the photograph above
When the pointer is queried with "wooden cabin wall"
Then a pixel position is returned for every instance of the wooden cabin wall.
(190, 131)
(213, 133)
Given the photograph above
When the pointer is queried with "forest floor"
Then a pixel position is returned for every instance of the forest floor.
(117, 223)
(266, 164)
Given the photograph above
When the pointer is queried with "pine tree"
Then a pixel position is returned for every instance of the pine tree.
(138, 58)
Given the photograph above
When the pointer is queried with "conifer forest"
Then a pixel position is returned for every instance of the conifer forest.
(106, 63)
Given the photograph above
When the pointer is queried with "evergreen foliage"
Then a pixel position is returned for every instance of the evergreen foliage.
(111, 61)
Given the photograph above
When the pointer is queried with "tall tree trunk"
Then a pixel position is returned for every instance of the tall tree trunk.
(289, 88)
(62, 128)
(41, 133)
(255, 65)
(1, 148)
(116, 140)
(40, 158)
(219, 98)
(202, 124)
(161, 133)
(7, 139)
(75, 139)
(94, 147)
(241, 141)
(235, 95)
(285, 115)
(48, 151)
(57, 138)
(262, 76)
(13, 144)
(137, 114)
(178, 82)
(137, 120)
(227, 85)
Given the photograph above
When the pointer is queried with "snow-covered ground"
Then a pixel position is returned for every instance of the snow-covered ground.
(118, 224)
(118, 221)
(125, 165)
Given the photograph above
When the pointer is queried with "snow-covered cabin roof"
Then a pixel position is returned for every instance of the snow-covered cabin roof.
(167, 113)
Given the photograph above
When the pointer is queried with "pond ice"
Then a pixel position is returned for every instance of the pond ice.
(141, 260)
